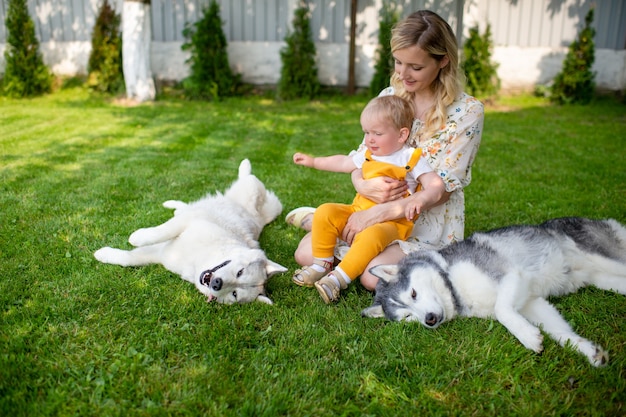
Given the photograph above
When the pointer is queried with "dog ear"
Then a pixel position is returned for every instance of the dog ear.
(387, 273)
(264, 299)
(374, 311)
(272, 268)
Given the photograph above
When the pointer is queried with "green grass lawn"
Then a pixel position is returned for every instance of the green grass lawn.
(82, 338)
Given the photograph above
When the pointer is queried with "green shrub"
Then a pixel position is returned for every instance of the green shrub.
(105, 60)
(383, 68)
(25, 73)
(211, 76)
(480, 71)
(575, 83)
(298, 75)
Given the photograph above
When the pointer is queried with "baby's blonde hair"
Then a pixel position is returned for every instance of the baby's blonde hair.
(433, 35)
(392, 108)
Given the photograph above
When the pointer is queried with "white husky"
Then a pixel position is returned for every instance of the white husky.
(213, 242)
(508, 273)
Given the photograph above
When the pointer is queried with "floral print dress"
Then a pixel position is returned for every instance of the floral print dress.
(450, 152)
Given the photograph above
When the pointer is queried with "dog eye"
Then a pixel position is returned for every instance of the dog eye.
(413, 293)
(240, 273)
(235, 294)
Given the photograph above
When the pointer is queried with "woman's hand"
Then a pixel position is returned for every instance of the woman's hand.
(379, 189)
(379, 213)
(433, 193)
(357, 222)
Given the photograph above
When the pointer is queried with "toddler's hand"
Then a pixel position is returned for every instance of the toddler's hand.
(302, 159)
(412, 210)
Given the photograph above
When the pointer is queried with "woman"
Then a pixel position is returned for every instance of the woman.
(448, 126)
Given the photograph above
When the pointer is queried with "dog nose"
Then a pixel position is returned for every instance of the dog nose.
(431, 319)
(216, 284)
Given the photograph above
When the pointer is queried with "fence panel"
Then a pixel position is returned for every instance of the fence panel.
(545, 23)
(528, 23)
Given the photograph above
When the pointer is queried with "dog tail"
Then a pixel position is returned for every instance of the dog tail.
(245, 168)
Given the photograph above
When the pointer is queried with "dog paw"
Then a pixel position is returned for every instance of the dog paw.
(533, 340)
(106, 255)
(600, 357)
(596, 355)
(174, 204)
(141, 237)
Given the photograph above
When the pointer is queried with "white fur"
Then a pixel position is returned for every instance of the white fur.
(533, 269)
(219, 231)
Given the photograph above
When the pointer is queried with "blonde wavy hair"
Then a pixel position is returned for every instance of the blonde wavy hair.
(432, 34)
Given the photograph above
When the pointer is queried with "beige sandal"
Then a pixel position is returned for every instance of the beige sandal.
(328, 289)
(296, 217)
(307, 276)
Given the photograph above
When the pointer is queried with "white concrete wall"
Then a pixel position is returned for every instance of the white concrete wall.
(519, 68)
(259, 63)
(523, 68)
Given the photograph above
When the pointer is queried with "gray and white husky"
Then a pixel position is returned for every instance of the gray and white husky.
(508, 273)
(213, 242)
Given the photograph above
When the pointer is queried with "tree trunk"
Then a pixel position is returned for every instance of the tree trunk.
(136, 40)
(352, 53)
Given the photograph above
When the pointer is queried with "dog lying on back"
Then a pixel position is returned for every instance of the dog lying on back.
(213, 242)
(508, 273)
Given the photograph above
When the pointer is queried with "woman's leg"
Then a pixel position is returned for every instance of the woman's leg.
(330, 220)
(391, 255)
(304, 252)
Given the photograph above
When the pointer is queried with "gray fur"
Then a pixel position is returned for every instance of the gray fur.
(508, 274)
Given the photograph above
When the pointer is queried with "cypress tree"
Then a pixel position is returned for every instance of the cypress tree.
(105, 60)
(480, 71)
(25, 72)
(211, 76)
(575, 83)
(384, 61)
(298, 75)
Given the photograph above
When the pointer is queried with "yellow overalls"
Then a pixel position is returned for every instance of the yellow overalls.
(329, 220)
